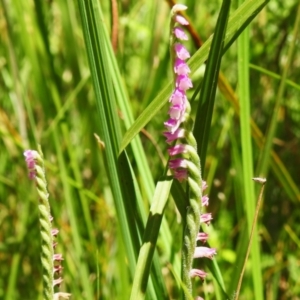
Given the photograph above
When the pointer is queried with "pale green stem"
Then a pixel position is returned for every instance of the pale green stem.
(262, 181)
(45, 229)
(193, 211)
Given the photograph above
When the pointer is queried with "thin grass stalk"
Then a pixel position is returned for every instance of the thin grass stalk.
(262, 181)
(275, 76)
(247, 156)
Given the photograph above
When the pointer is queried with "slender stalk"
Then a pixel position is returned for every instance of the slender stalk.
(260, 197)
(194, 190)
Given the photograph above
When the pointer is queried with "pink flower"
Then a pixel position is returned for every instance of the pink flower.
(172, 125)
(57, 281)
(180, 34)
(181, 52)
(177, 134)
(54, 232)
(178, 97)
(204, 200)
(206, 218)
(57, 257)
(181, 174)
(183, 82)
(30, 157)
(177, 149)
(204, 252)
(204, 185)
(181, 20)
(202, 236)
(176, 112)
(181, 67)
(57, 269)
(178, 163)
(198, 273)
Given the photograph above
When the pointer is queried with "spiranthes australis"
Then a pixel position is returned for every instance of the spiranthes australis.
(184, 161)
(50, 261)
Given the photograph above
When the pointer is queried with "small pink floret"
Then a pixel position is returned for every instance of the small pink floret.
(206, 218)
(177, 163)
(177, 112)
(181, 174)
(202, 236)
(177, 149)
(180, 34)
(205, 200)
(204, 252)
(178, 97)
(54, 232)
(30, 156)
(204, 185)
(57, 269)
(181, 20)
(181, 67)
(57, 281)
(179, 133)
(57, 257)
(181, 52)
(198, 273)
(183, 82)
(172, 125)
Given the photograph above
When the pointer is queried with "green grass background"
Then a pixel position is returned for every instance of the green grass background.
(64, 87)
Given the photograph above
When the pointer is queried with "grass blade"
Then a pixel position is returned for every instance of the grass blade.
(209, 85)
(247, 156)
(149, 241)
(109, 128)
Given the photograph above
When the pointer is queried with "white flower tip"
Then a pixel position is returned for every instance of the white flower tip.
(30, 153)
(260, 180)
(177, 8)
(60, 295)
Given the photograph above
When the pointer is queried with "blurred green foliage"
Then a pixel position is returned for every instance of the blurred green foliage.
(47, 98)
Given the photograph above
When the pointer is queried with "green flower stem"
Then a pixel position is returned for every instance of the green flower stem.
(45, 223)
(194, 183)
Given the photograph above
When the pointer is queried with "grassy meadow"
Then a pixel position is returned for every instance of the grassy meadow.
(89, 81)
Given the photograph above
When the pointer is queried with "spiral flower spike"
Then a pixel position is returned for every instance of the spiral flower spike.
(35, 164)
(184, 160)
